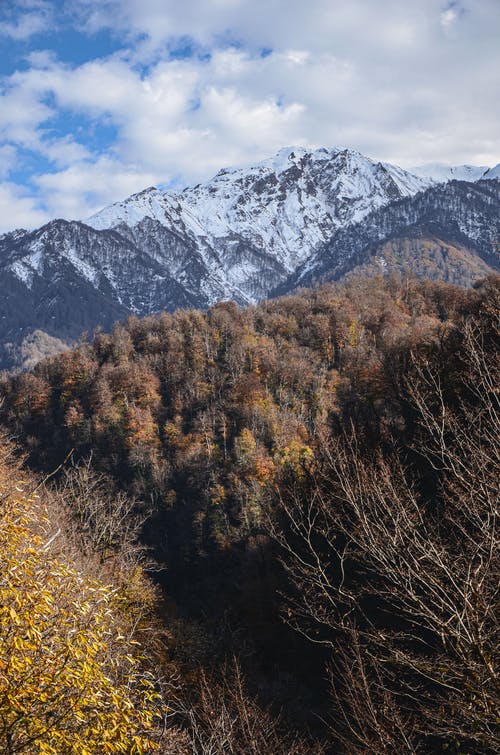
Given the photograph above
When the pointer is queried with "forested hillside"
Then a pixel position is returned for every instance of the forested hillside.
(294, 219)
(318, 481)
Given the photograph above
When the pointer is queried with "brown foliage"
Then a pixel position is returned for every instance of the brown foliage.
(336, 402)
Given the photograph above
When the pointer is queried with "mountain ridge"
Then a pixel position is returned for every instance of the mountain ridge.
(283, 207)
(240, 236)
(459, 211)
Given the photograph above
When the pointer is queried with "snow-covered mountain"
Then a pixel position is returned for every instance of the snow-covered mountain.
(454, 229)
(492, 173)
(252, 227)
(441, 173)
(237, 236)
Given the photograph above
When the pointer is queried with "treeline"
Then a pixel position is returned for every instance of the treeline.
(325, 462)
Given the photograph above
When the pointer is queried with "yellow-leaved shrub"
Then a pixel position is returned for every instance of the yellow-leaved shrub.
(70, 680)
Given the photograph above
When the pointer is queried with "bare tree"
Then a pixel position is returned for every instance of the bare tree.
(404, 586)
(103, 522)
(223, 718)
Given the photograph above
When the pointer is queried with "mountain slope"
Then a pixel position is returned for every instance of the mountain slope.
(252, 227)
(426, 253)
(442, 173)
(492, 173)
(461, 215)
(235, 237)
(66, 278)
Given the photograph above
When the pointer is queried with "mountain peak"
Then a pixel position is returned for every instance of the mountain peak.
(287, 156)
(284, 157)
(237, 236)
(492, 173)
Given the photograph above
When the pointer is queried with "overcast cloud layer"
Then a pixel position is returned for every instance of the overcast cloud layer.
(101, 98)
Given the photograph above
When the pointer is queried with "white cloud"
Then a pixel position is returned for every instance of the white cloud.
(25, 27)
(22, 111)
(408, 83)
(8, 156)
(22, 20)
(85, 187)
(448, 17)
(19, 209)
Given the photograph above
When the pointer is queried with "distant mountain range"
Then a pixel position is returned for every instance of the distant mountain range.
(294, 219)
(440, 173)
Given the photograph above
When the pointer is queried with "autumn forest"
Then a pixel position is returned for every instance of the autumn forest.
(267, 530)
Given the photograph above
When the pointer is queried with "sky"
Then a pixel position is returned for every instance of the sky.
(102, 98)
